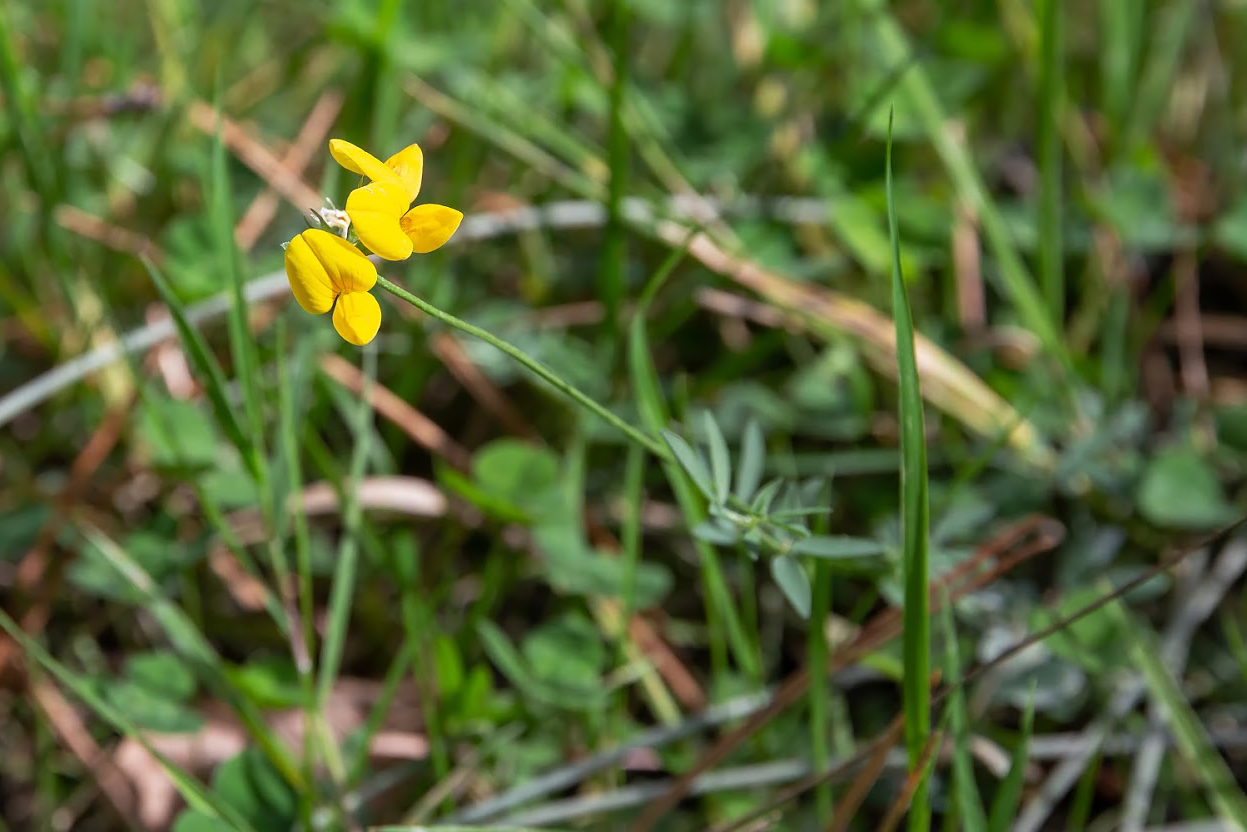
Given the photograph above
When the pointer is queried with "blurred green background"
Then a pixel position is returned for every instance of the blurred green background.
(304, 585)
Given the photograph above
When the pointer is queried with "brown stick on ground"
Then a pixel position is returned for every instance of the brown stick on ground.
(424, 431)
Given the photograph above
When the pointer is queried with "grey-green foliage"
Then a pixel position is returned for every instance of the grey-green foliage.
(768, 520)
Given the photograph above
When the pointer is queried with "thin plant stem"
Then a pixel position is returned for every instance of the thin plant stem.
(533, 365)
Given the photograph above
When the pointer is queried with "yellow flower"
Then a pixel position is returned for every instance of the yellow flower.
(379, 211)
(326, 272)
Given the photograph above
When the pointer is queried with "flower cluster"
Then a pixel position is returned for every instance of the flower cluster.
(327, 272)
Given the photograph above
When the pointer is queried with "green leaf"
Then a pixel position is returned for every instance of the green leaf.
(915, 524)
(510, 663)
(1180, 490)
(1230, 231)
(837, 546)
(566, 651)
(162, 671)
(19, 529)
(717, 532)
(177, 434)
(93, 573)
(571, 566)
(272, 682)
(150, 709)
(720, 461)
(762, 500)
(193, 820)
(752, 461)
(230, 488)
(793, 582)
(691, 462)
(250, 784)
(521, 474)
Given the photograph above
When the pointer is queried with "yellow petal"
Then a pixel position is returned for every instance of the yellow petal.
(375, 211)
(357, 317)
(320, 265)
(430, 226)
(358, 160)
(408, 166)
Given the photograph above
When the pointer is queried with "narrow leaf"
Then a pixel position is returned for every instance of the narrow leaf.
(1009, 796)
(720, 461)
(751, 461)
(793, 582)
(208, 371)
(837, 546)
(915, 637)
(691, 462)
(965, 789)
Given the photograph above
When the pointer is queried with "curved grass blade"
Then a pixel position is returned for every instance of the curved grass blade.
(915, 566)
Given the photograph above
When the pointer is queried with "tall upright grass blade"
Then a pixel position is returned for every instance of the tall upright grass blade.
(915, 568)
(342, 592)
(209, 372)
(1009, 796)
(1121, 30)
(916, 86)
(965, 789)
(1174, 22)
(817, 646)
(242, 344)
(1051, 94)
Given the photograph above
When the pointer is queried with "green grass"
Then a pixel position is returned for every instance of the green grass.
(813, 301)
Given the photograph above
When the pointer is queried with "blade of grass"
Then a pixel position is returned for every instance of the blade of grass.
(196, 794)
(1224, 793)
(394, 676)
(1122, 30)
(1019, 286)
(294, 384)
(385, 101)
(342, 591)
(292, 388)
(1051, 94)
(208, 371)
(242, 345)
(817, 651)
(1009, 795)
(965, 790)
(1164, 61)
(915, 637)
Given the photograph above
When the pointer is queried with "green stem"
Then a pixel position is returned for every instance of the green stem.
(536, 367)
